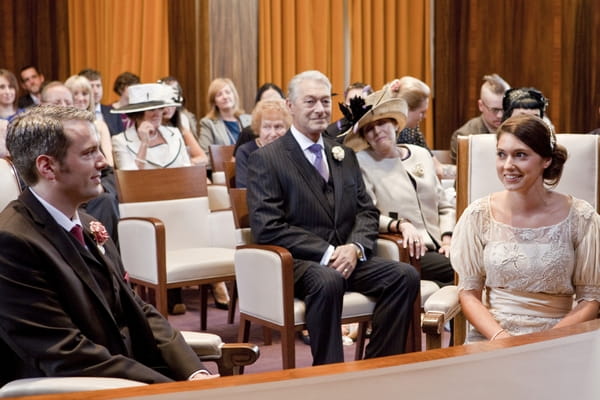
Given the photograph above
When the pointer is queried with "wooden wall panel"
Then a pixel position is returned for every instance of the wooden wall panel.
(189, 51)
(234, 45)
(35, 32)
(548, 44)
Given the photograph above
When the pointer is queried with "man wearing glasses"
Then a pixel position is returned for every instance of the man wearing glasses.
(490, 105)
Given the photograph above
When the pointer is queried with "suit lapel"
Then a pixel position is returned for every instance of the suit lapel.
(76, 257)
(336, 172)
(313, 180)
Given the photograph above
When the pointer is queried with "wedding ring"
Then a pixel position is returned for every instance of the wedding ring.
(416, 241)
(345, 270)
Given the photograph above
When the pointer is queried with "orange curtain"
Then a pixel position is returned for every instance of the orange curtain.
(114, 36)
(298, 35)
(390, 39)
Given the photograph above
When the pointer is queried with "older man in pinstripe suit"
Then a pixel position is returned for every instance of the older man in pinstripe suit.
(306, 193)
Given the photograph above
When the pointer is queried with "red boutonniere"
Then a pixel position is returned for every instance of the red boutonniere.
(100, 234)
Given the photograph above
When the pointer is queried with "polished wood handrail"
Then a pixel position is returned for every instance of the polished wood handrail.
(196, 388)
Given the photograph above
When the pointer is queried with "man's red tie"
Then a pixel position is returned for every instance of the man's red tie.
(77, 232)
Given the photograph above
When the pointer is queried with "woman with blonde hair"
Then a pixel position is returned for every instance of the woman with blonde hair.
(225, 120)
(83, 99)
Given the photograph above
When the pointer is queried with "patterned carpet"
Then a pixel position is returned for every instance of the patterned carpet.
(270, 356)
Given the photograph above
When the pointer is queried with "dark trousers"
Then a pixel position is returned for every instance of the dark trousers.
(393, 285)
(436, 267)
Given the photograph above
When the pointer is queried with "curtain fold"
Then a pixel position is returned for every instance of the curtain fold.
(388, 39)
(115, 36)
(391, 39)
(297, 35)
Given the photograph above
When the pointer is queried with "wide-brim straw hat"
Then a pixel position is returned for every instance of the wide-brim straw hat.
(148, 96)
(384, 106)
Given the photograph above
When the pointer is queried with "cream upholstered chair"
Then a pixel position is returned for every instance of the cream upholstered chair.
(477, 178)
(218, 155)
(9, 183)
(168, 236)
(265, 285)
(230, 359)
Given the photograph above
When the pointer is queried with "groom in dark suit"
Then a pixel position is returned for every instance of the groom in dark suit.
(66, 307)
(306, 193)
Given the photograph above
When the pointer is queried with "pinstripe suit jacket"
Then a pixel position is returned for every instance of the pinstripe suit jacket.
(288, 206)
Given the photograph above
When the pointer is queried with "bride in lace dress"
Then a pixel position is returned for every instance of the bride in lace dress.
(527, 257)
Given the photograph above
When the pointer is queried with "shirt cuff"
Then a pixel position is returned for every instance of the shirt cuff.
(199, 372)
(327, 256)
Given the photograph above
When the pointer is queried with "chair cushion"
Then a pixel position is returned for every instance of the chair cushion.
(199, 263)
(36, 386)
(427, 289)
(206, 345)
(444, 301)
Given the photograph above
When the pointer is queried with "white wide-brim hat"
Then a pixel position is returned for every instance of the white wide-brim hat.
(383, 106)
(148, 96)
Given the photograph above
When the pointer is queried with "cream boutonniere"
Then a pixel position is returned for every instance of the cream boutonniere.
(338, 153)
(100, 234)
(418, 170)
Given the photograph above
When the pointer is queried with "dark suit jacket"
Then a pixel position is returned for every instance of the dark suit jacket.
(57, 318)
(289, 208)
(113, 121)
(25, 101)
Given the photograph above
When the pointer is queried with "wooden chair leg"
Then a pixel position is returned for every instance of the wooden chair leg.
(267, 336)
(244, 330)
(232, 303)
(288, 348)
(203, 306)
(161, 301)
(361, 335)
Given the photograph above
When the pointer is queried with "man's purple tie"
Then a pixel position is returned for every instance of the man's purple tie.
(77, 232)
(319, 162)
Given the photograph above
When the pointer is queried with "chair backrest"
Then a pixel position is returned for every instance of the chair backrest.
(161, 184)
(176, 196)
(229, 168)
(239, 205)
(476, 163)
(219, 154)
(9, 183)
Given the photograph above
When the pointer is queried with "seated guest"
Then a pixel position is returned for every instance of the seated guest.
(67, 308)
(8, 95)
(105, 206)
(271, 119)
(148, 143)
(416, 94)
(225, 120)
(122, 82)
(490, 106)
(519, 101)
(185, 121)
(32, 82)
(268, 91)
(113, 121)
(296, 185)
(335, 129)
(83, 99)
(525, 254)
(402, 182)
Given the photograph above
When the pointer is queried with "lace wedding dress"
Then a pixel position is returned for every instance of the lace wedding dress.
(530, 277)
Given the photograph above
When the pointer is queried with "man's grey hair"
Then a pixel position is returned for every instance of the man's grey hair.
(40, 131)
(311, 75)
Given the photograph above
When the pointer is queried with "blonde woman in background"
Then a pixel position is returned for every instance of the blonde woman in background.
(83, 99)
(225, 120)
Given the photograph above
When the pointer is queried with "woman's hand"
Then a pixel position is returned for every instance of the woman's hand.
(413, 240)
(445, 248)
(145, 131)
